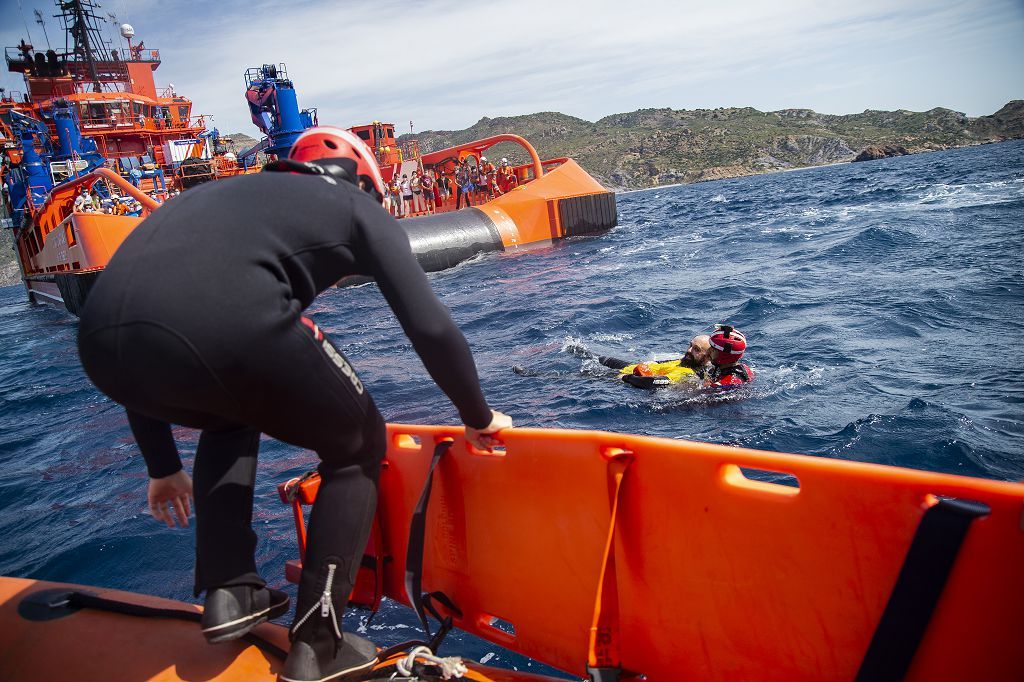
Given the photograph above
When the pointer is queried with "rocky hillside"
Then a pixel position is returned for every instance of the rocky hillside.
(653, 147)
(239, 142)
(9, 272)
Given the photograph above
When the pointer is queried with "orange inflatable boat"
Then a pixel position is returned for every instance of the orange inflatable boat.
(621, 557)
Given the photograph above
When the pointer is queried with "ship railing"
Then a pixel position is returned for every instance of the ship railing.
(446, 158)
(124, 122)
(261, 73)
(110, 177)
(13, 97)
(144, 55)
(33, 192)
(14, 57)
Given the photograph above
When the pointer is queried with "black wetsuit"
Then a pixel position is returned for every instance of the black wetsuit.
(197, 321)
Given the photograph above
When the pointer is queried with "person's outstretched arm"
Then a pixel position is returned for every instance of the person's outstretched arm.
(614, 363)
(170, 488)
(156, 443)
(424, 318)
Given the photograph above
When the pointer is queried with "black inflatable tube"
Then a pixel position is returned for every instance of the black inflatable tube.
(443, 240)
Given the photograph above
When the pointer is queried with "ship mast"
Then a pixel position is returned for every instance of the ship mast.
(89, 47)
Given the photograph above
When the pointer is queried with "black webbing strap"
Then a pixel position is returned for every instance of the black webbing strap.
(926, 568)
(417, 536)
(91, 601)
(445, 621)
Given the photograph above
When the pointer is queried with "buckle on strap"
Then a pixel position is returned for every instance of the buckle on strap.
(604, 674)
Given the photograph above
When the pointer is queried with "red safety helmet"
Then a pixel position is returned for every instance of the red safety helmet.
(729, 343)
(328, 142)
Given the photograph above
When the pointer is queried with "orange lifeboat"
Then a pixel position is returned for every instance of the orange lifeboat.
(620, 557)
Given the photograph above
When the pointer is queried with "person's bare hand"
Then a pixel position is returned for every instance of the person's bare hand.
(482, 439)
(170, 498)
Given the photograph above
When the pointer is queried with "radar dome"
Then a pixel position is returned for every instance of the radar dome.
(127, 31)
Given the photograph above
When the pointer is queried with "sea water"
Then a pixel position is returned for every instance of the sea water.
(883, 304)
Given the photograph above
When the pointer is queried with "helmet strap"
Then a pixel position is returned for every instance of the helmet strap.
(308, 168)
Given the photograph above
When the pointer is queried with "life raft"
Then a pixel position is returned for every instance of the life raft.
(627, 557)
(623, 557)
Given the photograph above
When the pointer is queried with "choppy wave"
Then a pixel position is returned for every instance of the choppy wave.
(883, 303)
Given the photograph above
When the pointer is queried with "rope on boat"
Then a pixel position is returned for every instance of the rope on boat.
(451, 666)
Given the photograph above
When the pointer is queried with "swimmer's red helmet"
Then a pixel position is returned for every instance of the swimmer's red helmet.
(329, 142)
(729, 343)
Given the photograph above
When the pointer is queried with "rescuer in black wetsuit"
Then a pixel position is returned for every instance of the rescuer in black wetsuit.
(197, 321)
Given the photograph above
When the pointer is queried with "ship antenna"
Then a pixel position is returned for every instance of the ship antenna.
(39, 20)
(21, 10)
(77, 15)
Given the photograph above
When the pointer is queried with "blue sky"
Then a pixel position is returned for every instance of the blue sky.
(444, 64)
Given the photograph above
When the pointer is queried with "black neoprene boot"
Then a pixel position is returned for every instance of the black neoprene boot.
(232, 611)
(320, 650)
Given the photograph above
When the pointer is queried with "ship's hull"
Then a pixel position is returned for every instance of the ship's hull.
(66, 289)
(62, 256)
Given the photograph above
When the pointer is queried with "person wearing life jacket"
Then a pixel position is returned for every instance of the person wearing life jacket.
(692, 367)
(198, 321)
(507, 179)
(727, 348)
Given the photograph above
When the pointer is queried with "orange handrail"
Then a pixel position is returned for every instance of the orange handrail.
(110, 176)
(128, 187)
(485, 144)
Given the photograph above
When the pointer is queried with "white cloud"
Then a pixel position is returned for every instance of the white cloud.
(445, 64)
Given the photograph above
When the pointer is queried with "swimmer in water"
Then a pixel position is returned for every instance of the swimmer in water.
(695, 366)
(727, 348)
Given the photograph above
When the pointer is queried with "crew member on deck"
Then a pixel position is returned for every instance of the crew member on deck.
(197, 321)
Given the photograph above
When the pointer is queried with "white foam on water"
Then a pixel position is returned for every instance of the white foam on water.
(946, 196)
(604, 337)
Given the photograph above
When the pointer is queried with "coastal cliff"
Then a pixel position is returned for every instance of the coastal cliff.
(652, 147)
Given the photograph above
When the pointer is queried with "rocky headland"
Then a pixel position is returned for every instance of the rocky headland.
(652, 147)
